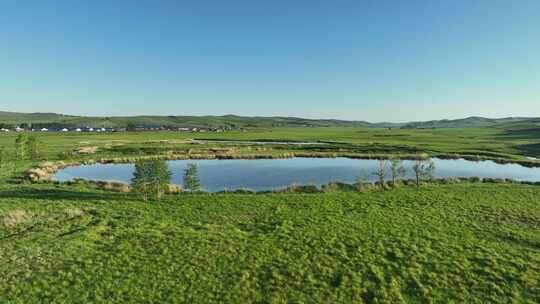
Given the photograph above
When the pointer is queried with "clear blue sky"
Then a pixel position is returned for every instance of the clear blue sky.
(364, 60)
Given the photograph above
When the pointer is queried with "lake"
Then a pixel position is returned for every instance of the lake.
(271, 174)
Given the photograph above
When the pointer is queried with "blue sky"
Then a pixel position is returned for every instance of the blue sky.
(362, 60)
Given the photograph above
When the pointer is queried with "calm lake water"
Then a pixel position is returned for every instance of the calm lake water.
(270, 174)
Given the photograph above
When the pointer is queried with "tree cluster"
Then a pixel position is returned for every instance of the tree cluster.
(151, 178)
(423, 169)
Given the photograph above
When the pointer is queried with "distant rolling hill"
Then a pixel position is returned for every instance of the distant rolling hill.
(60, 120)
(469, 122)
(234, 121)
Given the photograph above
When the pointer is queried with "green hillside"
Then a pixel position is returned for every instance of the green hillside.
(469, 122)
(59, 120)
(234, 121)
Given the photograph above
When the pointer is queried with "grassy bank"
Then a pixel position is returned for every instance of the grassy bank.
(462, 242)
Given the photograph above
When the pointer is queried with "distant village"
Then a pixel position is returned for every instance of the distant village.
(127, 129)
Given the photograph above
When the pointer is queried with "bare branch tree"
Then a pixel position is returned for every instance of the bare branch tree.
(423, 169)
(381, 172)
(397, 170)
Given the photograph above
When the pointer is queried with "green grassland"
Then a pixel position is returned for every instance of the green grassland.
(462, 243)
(510, 142)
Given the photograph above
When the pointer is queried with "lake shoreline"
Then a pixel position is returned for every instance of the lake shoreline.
(45, 170)
(273, 174)
(334, 186)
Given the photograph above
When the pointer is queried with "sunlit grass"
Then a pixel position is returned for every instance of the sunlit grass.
(463, 243)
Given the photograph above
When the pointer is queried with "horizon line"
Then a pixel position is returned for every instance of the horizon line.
(270, 116)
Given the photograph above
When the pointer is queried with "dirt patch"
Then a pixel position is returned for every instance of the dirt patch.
(87, 150)
(73, 212)
(16, 217)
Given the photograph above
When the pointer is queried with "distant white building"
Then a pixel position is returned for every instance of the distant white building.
(4, 130)
(19, 129)
(90, 129)
(44, 130)
(64, 130)
(78, 130)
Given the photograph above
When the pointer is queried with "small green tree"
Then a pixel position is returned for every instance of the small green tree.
(397, 170)
(191, 178)
(161, 178)
(33, 147)
(141, 181)
(3, 155)
(381, 172)
(6, 165)
(21, 146)
(423, 169)
(151, 178)
(131, 127)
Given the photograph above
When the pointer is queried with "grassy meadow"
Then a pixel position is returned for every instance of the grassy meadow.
(466, 243)
(514, 142)
(460, 243)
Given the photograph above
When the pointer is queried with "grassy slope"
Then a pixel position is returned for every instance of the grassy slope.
(467, 243)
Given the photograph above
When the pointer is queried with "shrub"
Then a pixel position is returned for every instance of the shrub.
(330, 187)
(173, 189)
(494, 180)
(474, 179)
(448, 180)
(244, 191)
(301, 189)
(338, 186)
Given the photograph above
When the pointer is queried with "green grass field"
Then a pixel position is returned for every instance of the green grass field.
(464, 243)
(512, 142)
(460, 243)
